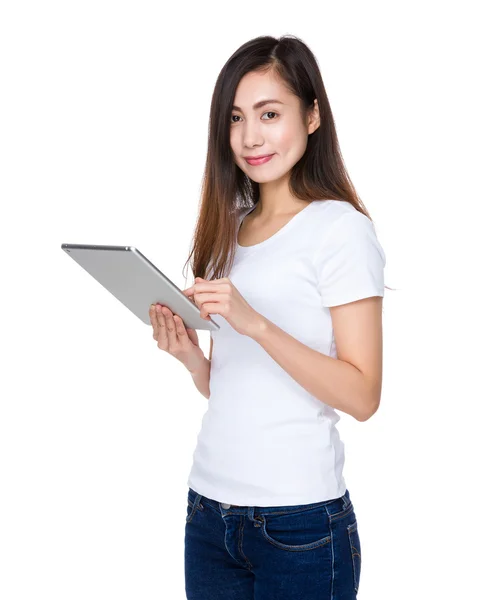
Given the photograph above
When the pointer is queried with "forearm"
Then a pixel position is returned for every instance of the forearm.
(332, 381)
(202, 376)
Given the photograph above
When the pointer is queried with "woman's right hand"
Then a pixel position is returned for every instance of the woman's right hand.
(173, 337)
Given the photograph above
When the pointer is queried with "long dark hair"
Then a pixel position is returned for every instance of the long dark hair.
(320, 174)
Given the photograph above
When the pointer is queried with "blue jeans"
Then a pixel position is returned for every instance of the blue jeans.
(308, 551)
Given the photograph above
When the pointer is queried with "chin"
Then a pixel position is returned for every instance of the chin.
(258, 177)
(267, 179)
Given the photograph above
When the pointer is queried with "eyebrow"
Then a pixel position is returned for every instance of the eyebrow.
(260, 104)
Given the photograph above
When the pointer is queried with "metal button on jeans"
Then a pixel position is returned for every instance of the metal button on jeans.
(224, 505)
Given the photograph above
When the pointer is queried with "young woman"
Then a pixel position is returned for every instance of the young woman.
(288, 261)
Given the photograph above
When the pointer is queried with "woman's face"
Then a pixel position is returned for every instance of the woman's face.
(274, 128)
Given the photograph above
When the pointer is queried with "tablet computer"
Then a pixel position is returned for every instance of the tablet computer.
(136, 282)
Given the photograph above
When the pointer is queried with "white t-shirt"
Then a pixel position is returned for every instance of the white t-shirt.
(264, 440)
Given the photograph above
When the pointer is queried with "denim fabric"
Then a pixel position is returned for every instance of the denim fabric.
(308, 551)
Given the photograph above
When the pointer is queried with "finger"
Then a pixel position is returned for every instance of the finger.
(171, 328)
(188, 296)
(185, 334)
(181, 331)
(162, 340)
(214, 281)
(207, 308)
(197, 287)
(211, 297)
(153, 317)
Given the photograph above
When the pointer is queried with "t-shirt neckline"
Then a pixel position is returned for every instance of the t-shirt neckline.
(284, 229)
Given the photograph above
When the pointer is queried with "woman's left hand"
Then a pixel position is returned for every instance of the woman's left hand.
(220, 297)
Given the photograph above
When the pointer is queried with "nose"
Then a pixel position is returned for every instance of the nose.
(252, 136)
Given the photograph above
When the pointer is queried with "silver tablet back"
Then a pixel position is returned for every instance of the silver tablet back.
(129, 276)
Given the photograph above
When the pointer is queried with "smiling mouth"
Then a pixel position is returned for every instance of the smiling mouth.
(257, 157)
(254, 162)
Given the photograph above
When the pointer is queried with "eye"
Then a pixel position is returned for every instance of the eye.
(269, 112)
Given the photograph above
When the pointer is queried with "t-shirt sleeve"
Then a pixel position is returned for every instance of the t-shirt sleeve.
(349, 263)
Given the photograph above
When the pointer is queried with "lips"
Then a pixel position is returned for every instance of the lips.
(259, 160)
(257, 157)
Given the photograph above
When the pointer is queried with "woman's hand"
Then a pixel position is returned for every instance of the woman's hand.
(220, 297)
(173, 337)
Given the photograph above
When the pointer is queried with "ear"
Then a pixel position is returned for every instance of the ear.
(314, 118)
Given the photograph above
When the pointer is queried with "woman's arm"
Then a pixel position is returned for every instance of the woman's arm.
(352, 382)
(202, 376)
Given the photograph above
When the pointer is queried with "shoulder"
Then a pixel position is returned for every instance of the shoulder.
(335, 219)
(342, 220)
(344, 230)
(331, 211)
(348, 258)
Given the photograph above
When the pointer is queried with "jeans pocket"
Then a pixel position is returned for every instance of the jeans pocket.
(193, 504)
(355, 553)
(306, 529)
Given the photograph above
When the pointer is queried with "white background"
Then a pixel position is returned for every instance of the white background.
(104, 111)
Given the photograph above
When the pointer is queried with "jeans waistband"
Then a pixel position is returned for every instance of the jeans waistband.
(332, 506)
